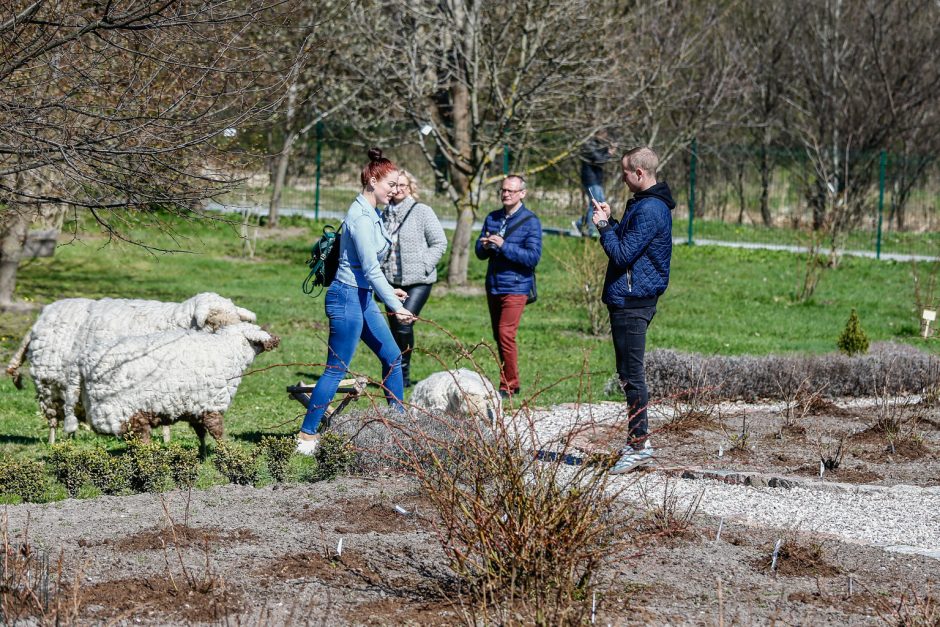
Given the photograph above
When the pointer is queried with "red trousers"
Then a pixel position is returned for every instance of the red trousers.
(505, 314)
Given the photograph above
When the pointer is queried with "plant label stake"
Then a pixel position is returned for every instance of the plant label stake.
(339, 548)
(721, 450)
(851, 585)
(593, 605)
(822, 468)
(773, 560)
(928, 316)
(401, 510)
(721, 523)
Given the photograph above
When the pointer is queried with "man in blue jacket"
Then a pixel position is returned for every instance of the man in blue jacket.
(639, 248)
(511, 240)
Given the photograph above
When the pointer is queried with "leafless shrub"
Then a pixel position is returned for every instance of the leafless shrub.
(187, 579)
(525, 531)
(697, 405)
(895, 416)
(669, 515)
(31, 585)
(912, 609)
(588, 283)
(739, 442)
(831, 451)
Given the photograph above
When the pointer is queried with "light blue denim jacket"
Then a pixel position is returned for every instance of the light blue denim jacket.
(364, 244)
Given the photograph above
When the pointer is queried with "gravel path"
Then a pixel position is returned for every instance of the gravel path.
(902, 518)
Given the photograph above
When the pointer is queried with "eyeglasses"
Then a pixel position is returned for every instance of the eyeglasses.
(509, 191)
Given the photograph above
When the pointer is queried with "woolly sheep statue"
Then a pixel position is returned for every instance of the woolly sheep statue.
(67, 328)
(459, 392)
(136, 383)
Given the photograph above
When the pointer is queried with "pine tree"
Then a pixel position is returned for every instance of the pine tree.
(853, 340)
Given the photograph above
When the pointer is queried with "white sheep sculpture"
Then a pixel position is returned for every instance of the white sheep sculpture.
(67, 328)
(136, 383)
(460, 392)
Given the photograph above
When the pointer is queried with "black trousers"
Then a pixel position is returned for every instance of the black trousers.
(404, 334)
(628, 328)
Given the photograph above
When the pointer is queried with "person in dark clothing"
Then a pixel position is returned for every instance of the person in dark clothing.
(595, 153)
(639, 249)
(511, 242)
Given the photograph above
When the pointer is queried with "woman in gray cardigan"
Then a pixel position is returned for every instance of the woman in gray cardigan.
(418, 243)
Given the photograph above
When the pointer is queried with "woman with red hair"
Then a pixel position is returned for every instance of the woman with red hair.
(350, 305)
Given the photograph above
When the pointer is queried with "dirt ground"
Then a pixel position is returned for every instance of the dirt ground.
(239, 555)
(363, 550)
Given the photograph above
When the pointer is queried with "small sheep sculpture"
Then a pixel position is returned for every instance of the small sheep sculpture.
(136, 383)
(459, 392)
(68, 328)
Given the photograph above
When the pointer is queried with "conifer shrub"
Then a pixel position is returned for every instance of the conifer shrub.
(23, 478)
(853, 340)
(277, 452)
(237, 464)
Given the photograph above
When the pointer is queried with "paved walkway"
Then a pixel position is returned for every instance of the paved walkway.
(448, 223)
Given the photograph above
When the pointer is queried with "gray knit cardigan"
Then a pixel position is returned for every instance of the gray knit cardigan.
(421, 244)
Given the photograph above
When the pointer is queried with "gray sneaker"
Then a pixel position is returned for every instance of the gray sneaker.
(631, 459)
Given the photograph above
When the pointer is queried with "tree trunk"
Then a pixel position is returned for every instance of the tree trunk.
(765, 182)
(460, 246)
(280, 174)
(14, 225)
(283, 158)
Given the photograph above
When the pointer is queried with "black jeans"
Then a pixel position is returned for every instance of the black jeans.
(404, 334)
(628, 328)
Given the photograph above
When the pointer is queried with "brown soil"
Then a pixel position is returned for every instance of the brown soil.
(777, 449)
(159, 598)
(796, 559)
(179, 536)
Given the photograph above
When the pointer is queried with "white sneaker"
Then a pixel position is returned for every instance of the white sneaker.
(308, 447)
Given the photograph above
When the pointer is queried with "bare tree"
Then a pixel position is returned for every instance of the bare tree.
(863, 82)
(541, 77)
(121, 107)
(319, 51)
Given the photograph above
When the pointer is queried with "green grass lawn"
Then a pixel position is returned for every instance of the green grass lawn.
(720, 300)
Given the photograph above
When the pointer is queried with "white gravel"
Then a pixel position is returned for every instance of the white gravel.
(901, 518)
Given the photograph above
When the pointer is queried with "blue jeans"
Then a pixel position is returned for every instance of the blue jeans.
(628, 328)
(353, 314)
(586, 222)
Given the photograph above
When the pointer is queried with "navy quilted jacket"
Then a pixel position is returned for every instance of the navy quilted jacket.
(511, 267)
(639, 248)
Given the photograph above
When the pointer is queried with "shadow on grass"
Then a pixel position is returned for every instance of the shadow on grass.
(20, 439)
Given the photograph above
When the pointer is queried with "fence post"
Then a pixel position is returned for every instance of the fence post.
(881, 200)
(692, 164)
(316, 193)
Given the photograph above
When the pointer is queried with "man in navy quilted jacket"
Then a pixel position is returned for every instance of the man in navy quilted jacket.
(639, 248)
(511, 242)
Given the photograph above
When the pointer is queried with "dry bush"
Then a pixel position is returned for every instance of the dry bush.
(751, 378)
(696, 406)
(186, 579)
(668, 515)
(831, 452)
(32, 589)
(799, 559)
(582, 267)
(912, 609)
(739, 441)
(525, 537)
(896, 416)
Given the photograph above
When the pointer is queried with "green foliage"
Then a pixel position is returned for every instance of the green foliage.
(184, 464)
(277, 452)
(23, 478)
(237, 464)
(150, 466)
(72, 466)
(334, 457)
(853, 340)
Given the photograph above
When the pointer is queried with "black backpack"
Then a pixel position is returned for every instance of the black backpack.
(324, 260)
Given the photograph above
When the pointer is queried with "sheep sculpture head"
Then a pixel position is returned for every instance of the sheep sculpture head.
(209, 310)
